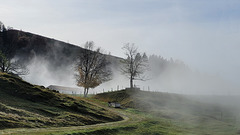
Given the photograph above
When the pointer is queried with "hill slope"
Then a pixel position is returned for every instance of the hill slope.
(190, 114)
(25, 105)
(158, 101)
(49, 61)
(26, 46)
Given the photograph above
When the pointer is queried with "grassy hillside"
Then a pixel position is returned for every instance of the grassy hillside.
(189, 115)
(152, 113)
(25, 105)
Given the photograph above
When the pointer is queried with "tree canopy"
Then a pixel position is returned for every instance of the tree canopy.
(92, 68)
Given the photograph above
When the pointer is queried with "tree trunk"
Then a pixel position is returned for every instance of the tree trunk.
(86, 92)
(131, 82)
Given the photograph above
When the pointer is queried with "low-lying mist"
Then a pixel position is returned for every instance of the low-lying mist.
(203, 100)
(42, 72)
(164, 75)
(51, 62)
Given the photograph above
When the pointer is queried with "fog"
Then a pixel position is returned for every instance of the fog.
(177, 77)
(42, 73)
(164, 75)
(203, 100)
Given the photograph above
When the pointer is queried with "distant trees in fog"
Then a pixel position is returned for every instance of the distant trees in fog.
(135, 63)
(158, 65)
(92, 68)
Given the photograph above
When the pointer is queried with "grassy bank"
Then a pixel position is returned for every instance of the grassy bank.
(23, 105)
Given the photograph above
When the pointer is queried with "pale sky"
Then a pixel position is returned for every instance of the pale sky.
(205, 34)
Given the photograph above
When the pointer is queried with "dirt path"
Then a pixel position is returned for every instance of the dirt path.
(127, 119)
(35, 131)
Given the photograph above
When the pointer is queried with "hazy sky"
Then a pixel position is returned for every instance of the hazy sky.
(205, 34)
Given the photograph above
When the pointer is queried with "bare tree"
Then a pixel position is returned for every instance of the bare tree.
(12, 66)
(135, 64)
(92, 68)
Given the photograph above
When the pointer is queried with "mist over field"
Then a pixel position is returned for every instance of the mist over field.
(164, 75)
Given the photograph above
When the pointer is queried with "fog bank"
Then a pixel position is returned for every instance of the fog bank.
(165, 75)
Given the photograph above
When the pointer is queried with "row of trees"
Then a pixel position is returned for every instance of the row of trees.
(93, 67)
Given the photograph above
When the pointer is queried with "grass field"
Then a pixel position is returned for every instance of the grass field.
(140, 123)
(29, 109)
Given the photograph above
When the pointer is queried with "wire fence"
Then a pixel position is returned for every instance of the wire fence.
(97, 91)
